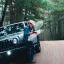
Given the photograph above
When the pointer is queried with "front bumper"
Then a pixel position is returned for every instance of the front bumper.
(12, 54)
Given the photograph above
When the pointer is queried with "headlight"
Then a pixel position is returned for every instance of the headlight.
(14, 41)
(8, 52)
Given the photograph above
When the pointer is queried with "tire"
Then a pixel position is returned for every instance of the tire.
(38, 48)
(30, 52)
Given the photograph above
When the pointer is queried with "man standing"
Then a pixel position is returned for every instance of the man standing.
(29, 44)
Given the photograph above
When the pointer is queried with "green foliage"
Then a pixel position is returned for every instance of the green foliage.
(33, 6)
(58, 5)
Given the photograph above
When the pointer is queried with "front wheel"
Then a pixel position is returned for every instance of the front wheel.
(30, 52)
(38, 48)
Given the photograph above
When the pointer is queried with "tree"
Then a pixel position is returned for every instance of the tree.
(3, 13)
(56, 24)
(32, 6)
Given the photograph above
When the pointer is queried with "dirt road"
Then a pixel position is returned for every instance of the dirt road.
(52, 52)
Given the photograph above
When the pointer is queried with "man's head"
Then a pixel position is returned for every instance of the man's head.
(31, 22)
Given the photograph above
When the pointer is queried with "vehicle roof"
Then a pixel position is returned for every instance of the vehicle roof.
(13, 24)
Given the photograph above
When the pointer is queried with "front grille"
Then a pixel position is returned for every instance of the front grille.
(6, 45)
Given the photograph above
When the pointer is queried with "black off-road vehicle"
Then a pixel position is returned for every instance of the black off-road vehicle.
(12, 43)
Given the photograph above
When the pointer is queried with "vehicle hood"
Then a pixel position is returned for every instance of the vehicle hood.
(11, 36)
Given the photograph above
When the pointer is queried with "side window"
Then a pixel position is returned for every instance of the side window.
(16, 28)
(21, 25)
(8, 29)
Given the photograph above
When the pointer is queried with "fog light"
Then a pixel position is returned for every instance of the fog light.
(14, 41)
(8, 52)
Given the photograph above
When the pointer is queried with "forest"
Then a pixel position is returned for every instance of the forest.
(51, 12)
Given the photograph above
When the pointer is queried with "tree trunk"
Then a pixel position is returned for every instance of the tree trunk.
(59, 30)
(26, 17)
(3, 15)
(50, 30)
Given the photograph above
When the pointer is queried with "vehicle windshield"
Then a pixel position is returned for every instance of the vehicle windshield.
(14, 28)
